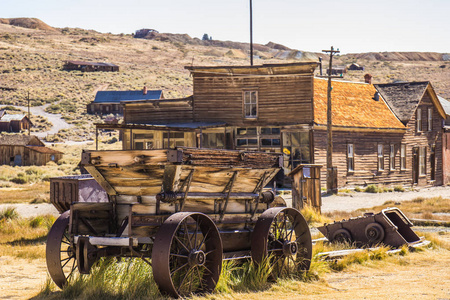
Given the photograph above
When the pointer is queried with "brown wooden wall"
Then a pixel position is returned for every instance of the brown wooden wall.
(281, 99)
(164, 111)
(446, 158)
(28, 156)
(365, 157)
(365, 151)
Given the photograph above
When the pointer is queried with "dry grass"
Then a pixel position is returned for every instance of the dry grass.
(24, 238)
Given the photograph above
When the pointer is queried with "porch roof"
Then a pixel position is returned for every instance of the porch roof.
(186, 126)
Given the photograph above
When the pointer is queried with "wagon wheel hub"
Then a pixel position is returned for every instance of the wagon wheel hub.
(290, 248)
(197, 258)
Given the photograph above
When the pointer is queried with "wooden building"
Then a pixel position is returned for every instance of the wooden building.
(109, 102)
(86, 66)
(25, 150)
(446, 141)
(14, 123)
(355, 67)
(282, 108)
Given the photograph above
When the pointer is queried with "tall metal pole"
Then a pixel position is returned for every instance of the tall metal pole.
(251, 34)
(331, 188)
(29, 115)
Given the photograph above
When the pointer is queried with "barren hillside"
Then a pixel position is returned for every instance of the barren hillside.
(31, 61)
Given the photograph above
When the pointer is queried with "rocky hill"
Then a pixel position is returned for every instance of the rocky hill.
(31, 23)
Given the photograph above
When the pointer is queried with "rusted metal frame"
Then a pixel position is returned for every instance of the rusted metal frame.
(140, 255)
(229, 187)
(186, 183)
(258, 189)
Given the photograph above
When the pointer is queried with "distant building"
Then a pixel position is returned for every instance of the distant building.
(338, 70)
(355, 67)
(14, 123)
(108, 102)
(25, 150)
(85, 66)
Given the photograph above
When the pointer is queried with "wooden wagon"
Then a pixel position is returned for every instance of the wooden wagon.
(182, 211)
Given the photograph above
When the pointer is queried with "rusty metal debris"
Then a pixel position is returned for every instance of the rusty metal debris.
(389, 227)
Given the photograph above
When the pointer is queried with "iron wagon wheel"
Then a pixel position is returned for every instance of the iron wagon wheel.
(187, 255)
(342, 235)
(60, 251)
(282, 236)
(374, 232)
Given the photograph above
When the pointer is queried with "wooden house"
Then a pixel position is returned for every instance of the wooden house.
(25, 150)
(418, 108)
(109, 102)
(86, 66)
(446, 141)
(282, 108)
(14, 123)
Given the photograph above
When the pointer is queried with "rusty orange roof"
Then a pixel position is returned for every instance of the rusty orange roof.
(352, 106)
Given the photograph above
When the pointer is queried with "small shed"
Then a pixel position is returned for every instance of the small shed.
(306, 186)
(14, 123)
(25, 150)
(86, 66)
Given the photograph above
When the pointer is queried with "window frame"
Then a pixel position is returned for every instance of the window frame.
(403, 157)
(249, 92)
(430, 118)
(419, 122)
(380, 157)
(392, 157)
(350, 158)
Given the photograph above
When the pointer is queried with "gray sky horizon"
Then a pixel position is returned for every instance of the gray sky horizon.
(350, 25)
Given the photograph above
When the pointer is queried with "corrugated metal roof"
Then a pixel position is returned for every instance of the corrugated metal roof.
(8, 118)
(117, 96)
(445, 104)
(352, 106)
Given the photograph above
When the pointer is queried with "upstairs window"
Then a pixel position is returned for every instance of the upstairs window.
(419, 120)
(430, 119)
(350, 158)
(250, 104)
(380, 157)
(403, 157)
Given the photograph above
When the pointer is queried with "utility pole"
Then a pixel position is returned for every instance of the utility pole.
(331, 171)
(29, 115)
(251, 34)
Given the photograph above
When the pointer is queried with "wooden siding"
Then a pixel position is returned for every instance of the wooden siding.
(446, 158)
(10, 154)
(281, 99)
(365, 152)
(158, 111)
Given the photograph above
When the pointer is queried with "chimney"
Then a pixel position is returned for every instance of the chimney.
(368, 78)
(144, 91)
(376, 96)
(320, 62)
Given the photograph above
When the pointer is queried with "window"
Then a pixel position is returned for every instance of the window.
(380, 157)
(52, 157)
(403, 157)
(422, 161)
(173, 139)
(296, 149)
(430, 119)
(213, 140)
(143, 141)
(250, 104)
(433, 163)
(350, 158)
(419, 120)
(392, 157)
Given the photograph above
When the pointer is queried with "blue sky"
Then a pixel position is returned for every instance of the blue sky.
(314, 25)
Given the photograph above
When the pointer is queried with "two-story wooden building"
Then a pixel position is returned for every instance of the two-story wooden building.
(282, 108)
